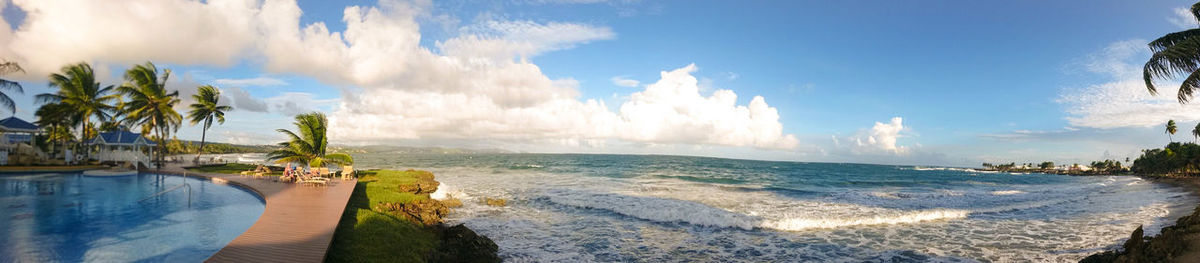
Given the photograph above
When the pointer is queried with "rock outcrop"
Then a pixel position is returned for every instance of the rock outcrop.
(426, 212)
(495, 201)
(460, 244)
(425, 184)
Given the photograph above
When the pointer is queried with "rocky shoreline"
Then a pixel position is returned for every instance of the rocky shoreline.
(1179, 242)
(392, 218)
(457, 243)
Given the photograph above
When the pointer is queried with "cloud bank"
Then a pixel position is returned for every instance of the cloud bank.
(479, 85)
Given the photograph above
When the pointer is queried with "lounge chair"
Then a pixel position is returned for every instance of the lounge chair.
(347, 172)
(309, 179)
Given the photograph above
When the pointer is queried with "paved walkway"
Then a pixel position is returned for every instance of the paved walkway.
(297, 225)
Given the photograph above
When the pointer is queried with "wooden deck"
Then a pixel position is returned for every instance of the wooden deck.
(297, 225)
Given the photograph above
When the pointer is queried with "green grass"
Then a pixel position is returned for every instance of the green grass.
(231, 168)
(364, 235)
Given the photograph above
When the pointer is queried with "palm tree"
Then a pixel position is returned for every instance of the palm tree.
(7, 67)
(150, 103)
(205, 110)
(309, 146)
(1176, 54)
(1171, 129)
(82, 96)
(58, 119)
(1196, 133)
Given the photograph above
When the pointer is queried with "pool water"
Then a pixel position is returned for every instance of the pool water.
(69, 217)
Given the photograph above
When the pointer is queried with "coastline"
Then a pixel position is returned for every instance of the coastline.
(1176, 242)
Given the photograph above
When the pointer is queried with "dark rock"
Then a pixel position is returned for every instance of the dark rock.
(426, 187)
(1134, 244)
(460, 244)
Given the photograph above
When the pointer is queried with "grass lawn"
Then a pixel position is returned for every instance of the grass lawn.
(232, 168)
(365, 235)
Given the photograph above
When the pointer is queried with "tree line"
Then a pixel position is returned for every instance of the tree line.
(80, 107)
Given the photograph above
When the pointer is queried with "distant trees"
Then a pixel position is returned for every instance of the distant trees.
(1107, 166)
(1046, 165)
(1175, 159)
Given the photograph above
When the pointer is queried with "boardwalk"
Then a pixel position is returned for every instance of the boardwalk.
(297, 225)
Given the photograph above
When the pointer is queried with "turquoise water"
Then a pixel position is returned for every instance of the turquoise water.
(581, 208)
(68, 217)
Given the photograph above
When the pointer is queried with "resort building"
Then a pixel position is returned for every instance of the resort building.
(16, 139)
(122, 146)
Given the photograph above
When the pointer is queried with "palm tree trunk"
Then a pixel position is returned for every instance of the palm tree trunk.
(200, 151)
(162, 145)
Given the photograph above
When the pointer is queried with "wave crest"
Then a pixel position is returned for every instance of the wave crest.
(797, 224)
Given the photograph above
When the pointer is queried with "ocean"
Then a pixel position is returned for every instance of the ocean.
(635, 208)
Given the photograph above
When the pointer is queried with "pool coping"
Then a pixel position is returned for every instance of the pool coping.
(297, 223)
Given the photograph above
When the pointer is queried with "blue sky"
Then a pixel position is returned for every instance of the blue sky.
(971, 81)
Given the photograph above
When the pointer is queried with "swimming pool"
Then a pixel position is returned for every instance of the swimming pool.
(69, 217)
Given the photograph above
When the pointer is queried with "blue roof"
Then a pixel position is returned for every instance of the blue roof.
(17, 124)
(120, 137)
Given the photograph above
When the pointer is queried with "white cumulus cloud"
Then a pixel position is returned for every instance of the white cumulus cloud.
(879, 139)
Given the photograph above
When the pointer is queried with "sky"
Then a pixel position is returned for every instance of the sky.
(922, 83)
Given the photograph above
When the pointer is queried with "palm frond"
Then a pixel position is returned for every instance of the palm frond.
(340, 158)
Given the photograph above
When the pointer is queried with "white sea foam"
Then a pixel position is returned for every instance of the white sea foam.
(797, 224)
(442, 192)
(1008, 192)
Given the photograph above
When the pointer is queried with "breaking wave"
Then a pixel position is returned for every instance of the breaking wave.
(797, 224)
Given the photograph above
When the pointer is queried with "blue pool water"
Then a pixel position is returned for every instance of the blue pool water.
(69, 217)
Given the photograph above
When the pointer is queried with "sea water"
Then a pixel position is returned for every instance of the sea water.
(582, 208)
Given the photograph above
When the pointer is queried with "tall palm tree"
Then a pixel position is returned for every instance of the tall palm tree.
(1176, 54)
(82, 96)
(149, 102)
(7, 67)
(205, 110)
(308, 147)
(1171, 129)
